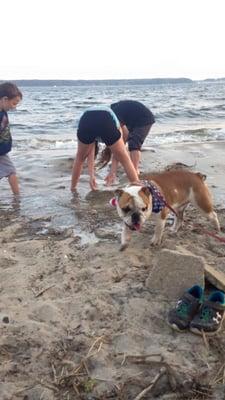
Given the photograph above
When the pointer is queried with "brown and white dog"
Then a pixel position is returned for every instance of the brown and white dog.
(177, 188)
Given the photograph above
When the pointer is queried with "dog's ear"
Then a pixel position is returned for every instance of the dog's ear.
(201, 176)
(118, 193)
(145, 190)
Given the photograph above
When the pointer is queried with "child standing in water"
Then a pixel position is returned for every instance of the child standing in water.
(100, 122)
(10, 96)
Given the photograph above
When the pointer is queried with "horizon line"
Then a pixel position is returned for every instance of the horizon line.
(111, 79)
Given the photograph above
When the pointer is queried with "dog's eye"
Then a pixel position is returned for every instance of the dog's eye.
(126, 209)
(144, 208)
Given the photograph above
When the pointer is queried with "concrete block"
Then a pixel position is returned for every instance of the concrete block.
(174, 272)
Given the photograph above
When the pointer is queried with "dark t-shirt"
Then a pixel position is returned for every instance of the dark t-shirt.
(133, 113)
(5, 135)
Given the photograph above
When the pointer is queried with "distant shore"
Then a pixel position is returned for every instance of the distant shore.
(99, 82)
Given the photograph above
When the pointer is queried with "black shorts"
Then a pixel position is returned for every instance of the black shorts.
(98, 124)
(137, 136)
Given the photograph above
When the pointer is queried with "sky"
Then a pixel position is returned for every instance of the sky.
(112, 39)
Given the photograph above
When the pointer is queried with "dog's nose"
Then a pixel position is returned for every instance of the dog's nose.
(135, 218)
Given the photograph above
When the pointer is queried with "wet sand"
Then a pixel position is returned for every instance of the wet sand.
(75, 312)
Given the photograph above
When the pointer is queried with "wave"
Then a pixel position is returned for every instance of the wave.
(187, 135)
(168, 137)
(44, 144)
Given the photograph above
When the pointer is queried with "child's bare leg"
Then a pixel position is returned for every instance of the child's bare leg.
(13, 181)
(82, 153)
(135, 156)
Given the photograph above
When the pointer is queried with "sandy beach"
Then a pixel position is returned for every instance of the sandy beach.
(80, 320)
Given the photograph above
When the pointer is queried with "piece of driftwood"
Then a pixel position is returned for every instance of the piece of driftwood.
(152, 384)
(215, 277)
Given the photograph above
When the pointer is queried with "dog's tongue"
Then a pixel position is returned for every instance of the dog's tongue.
(137, 227)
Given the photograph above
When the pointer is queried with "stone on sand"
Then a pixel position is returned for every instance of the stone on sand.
(46, 312)
(174, 272)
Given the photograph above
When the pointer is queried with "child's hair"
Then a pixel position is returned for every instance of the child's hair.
(96, 148)
(104, 158)
(10, 90)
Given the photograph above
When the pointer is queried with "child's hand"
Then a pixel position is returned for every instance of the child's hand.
(110, 179)
(93, 183)
(73, 189)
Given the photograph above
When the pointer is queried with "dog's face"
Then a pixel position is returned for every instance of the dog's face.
(134, 205)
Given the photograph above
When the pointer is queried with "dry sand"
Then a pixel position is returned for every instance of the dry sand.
(78, 321)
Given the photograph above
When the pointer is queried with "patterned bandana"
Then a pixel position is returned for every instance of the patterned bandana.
(158, 201)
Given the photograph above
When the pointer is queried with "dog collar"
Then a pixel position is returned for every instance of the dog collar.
(113, 202)
(158, 201)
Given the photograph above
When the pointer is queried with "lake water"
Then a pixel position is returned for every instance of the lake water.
(44, 134)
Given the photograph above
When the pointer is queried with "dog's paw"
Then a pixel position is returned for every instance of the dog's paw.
(155, 241)
(176, 227)
(123, 246)
(172, 230)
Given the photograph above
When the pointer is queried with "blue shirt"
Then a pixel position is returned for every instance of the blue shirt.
(108, 109)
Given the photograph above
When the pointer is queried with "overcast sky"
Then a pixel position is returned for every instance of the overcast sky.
(100, 39)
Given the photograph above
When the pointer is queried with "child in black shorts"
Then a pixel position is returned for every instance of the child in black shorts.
(99, 122)
(136, 121)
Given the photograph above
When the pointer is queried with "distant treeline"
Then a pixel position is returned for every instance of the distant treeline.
(105, 82)
(109, 82)
(214, 79)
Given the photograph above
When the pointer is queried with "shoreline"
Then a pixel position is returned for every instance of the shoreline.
(65, 301)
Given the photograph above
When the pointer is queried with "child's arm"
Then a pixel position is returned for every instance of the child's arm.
(110, 178)
(91, 168)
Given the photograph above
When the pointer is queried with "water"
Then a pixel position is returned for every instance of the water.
(44, 135)
(48, 117)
